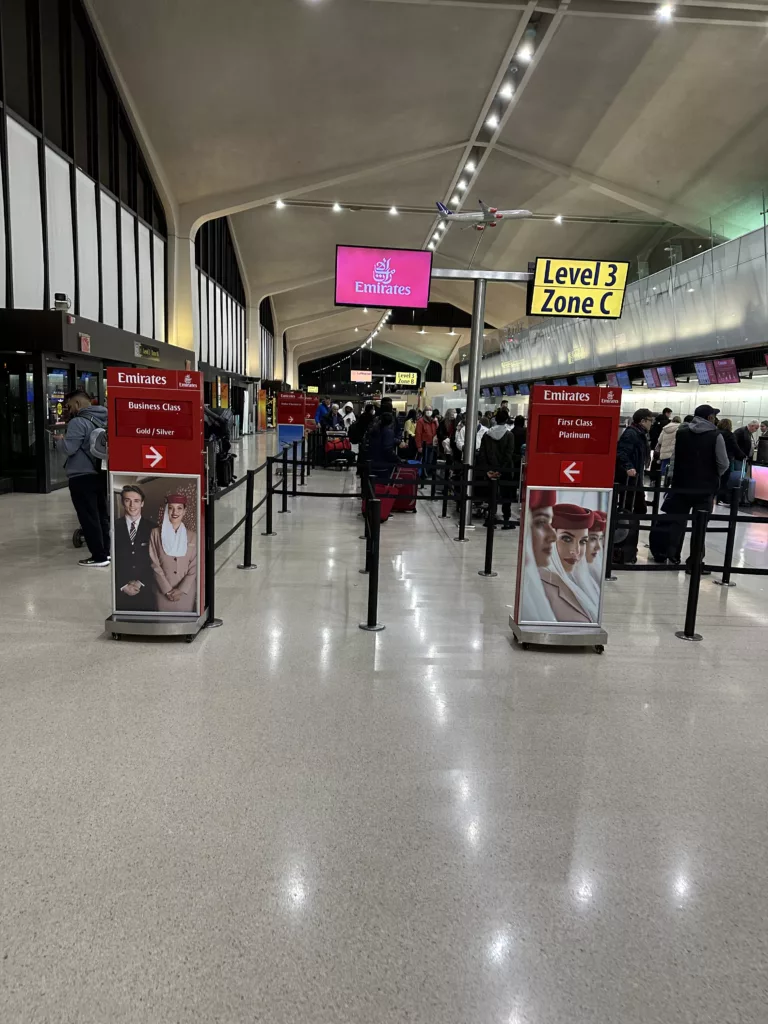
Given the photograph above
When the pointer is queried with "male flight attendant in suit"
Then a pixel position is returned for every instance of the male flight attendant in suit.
(134, 579)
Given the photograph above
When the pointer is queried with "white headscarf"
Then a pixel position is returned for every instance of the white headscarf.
(174, 541)
(534, 603)
(585, 598)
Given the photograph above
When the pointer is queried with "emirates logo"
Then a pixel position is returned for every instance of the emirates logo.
(383, 272)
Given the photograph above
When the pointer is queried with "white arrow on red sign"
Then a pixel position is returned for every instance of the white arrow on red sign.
(572, 471)
(153, 456)
(290, 419)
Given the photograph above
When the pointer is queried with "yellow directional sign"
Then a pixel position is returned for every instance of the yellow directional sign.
(311, 389)
(578, 288)
(406, 378)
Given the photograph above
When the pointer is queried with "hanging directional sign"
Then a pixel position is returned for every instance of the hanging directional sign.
(406, 378)
(577, 288)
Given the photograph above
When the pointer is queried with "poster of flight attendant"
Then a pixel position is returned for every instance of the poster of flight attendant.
(155, 545)
(563, 549)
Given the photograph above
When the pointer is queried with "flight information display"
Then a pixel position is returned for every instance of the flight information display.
(666, 377)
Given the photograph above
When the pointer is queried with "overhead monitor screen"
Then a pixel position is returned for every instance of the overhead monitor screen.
(561, 382)
(509, 389)
(485, 392)
(666, 377)
(725, 371)
(612, 380)
(524, 389)
(497, 391)
(587, 381)
(622, 376)
(705, 372)
(381, 278)
(652, 378)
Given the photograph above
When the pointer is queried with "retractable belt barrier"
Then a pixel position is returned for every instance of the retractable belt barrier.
(298, 458)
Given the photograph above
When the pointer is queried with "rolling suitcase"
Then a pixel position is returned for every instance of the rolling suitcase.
(387, 495)
(405, 481)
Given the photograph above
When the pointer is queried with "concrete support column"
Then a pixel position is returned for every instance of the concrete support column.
(182, 321)
(254, 341)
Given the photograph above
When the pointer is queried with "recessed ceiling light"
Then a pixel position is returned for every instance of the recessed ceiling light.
(336, 208)
(365, 309)
(441, 225)
(525, 54)
(357, 328)
(470, 168)
(665, 12)
(455, 201)
(493, 121)
(393, 211)
(431, 245)
(691, 289)
(436, 236)
(559, 219)
(507, 91)
(279, 204)
(462, 186)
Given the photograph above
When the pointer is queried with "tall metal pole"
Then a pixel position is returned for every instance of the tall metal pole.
(473, 384)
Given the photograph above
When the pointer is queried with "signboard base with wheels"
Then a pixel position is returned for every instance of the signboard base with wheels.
(156, 501)
(565, 514)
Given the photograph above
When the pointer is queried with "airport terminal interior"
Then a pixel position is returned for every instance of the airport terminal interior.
(312, 709)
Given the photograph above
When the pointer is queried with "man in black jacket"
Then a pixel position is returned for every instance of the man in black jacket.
(495, 461)
(134, 578)
(631, 455)
(700, 461)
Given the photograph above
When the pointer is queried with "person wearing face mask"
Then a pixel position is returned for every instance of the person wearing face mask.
(426, 439)
(569, 600)
(173, 554)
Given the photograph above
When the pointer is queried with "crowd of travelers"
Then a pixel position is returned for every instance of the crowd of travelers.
(701, 459)
(383, 438)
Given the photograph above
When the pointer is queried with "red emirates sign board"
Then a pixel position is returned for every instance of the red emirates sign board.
(290, 408)
(155, 407)
(572, 435)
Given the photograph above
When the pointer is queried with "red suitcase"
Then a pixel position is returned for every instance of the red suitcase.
(405, 481)
(387, 495)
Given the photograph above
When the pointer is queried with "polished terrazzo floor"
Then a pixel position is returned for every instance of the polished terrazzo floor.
(291, 820)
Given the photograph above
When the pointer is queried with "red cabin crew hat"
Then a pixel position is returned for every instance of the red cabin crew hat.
(572, 517)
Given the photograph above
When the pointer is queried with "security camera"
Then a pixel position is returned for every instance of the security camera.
(61, 301)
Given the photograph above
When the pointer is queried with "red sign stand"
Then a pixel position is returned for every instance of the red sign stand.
(156, 497)
(569, 473)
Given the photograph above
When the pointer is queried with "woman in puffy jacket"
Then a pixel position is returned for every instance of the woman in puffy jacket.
(665, 449)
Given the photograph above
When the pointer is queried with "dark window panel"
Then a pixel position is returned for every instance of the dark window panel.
(158, 219)
(16, 56)
(53, 64)
(126, 163)
(82, 98)
(106, 102)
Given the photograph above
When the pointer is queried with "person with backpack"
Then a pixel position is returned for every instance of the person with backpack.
(84, 445)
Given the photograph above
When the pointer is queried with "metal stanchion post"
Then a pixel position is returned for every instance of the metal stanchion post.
(490, 530)
(465, 471)
(446, 479)
(730, 540)
(285, 484)
(248, 542)
(309, 454)
(433, 482)
(656, 497)
(210, 561)
(295, 468)
(365, 487)
(269, 532)
(371, 625)
(609, 577)
(303, 459)
(698, 532)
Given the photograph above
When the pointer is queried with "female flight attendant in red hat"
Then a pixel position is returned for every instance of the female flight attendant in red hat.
(569, 600)
(173, 553)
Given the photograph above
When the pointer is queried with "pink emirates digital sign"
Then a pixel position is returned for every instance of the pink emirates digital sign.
(382, 277)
